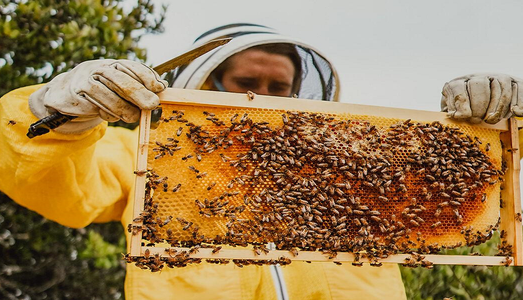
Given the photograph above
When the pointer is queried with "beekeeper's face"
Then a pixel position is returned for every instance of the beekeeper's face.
(260, 72)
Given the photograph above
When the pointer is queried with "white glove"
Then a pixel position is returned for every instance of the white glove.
(99, 90)
(487, 97)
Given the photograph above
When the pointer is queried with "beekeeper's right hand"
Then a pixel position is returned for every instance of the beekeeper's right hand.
(483, 97)
(99, 90)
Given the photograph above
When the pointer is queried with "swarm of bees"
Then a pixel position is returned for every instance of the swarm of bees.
(327, 185)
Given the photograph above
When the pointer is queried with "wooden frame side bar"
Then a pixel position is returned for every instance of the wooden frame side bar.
(511, 193)
(206, 253)
(139, 185)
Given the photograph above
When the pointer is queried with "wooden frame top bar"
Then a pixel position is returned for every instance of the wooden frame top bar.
(211, 98)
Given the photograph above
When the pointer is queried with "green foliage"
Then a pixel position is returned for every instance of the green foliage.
(104, 254)
(465, 282)
(44, 260)
(39, 39)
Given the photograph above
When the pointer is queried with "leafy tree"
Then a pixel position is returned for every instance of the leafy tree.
(465, 282)
(39, 39)
(44, 260)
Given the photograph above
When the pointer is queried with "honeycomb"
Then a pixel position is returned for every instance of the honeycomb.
(319, 181)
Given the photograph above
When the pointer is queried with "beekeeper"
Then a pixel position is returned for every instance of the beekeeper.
(82, 172)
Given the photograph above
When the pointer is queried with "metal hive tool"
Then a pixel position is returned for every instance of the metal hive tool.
(318, 181)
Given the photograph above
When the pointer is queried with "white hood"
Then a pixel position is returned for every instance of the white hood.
(319, 78)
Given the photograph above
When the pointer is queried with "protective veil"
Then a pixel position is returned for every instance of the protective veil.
(319, 78)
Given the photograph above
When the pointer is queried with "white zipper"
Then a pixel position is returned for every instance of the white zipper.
(277, 278)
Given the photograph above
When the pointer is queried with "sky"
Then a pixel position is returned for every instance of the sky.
(387, 53)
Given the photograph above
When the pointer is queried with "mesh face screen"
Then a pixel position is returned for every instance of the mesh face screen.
(318, 80)
(319, 181)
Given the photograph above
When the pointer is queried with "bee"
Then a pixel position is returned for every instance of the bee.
(264, 249)
(179, 131)
(199, 203)
(194, 249)
(413, 222)
(251, 95)
(192, 168)
(430, 177)
(216, 249)
(167, 220)
(187, 226)
(369, 184)
(135, 229)
(376, 219)
(11, 122)
(211, 186)
(177, 187)
(376, 264)
(140, 173)
(507, 261)
(358, 212)
(518, 217)
(437, 224)
(201, 175)
(427, 264)
(382, 190)
(285, 118)
(256, 250)
(244, 118)
(187, 157)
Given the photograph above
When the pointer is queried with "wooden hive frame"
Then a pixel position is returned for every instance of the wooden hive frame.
(510, 222)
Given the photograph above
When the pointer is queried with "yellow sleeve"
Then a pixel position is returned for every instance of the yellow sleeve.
(71, 179)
